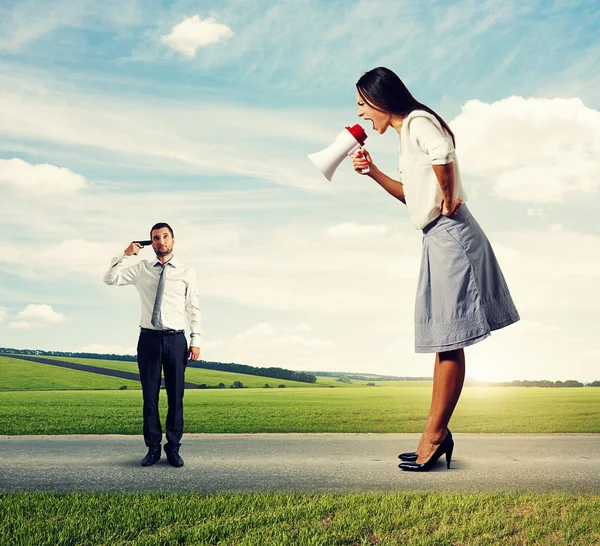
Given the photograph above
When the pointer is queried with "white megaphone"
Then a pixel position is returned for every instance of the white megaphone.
(346, 143)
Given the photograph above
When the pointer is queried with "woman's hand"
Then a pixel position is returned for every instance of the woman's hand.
(451, 209)
(361, 161)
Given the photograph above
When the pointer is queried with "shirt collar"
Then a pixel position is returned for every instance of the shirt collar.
(173, 262)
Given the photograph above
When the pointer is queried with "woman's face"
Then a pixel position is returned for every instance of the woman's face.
(381, 120)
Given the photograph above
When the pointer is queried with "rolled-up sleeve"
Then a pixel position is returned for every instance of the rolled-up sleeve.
(192, 309)
(429, 137)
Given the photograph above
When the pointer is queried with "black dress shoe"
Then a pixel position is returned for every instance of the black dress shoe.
(446, 447)
(174, 459)
(151, 457)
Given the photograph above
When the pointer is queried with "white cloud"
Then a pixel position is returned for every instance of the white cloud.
(537, 213)
(41, 314)
(355, 229)
(3, 314)
(534, 150)
(193, 33)
(19, 325)
(265, 335)
(267, 345)
(73, 256)
(38, 180)
(302, 328)
(99, 348)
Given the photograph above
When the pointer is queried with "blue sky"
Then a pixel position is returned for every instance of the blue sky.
(117, 115)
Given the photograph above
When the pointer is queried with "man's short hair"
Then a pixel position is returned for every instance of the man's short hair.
(161, 225)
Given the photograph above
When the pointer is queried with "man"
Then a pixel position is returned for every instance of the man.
(168, 292)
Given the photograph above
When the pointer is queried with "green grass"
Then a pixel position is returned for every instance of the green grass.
(20, 375)
(193, 375)
(384, 409)
(408, 518)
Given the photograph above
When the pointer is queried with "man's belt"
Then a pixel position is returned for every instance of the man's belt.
(160, 333)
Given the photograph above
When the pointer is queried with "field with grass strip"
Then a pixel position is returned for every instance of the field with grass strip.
(193, 375)
(278, 519)
(20, 375)
(385, 409)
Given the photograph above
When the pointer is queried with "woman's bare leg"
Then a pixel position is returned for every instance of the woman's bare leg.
(448, 379)
(434, 398)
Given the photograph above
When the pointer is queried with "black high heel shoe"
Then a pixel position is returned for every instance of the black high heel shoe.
(411, 455)
(408, 456)
(446, 447)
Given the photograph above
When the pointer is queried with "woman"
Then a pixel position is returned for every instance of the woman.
(461, 294)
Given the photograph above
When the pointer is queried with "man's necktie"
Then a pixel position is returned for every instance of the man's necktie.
(156, 322)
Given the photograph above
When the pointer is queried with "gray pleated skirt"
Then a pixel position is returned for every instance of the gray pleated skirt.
(461, 294)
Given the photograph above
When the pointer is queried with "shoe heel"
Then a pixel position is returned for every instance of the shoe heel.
(449, 455)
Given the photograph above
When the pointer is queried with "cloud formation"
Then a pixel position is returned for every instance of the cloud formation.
(354, 228)
(37, 315)
(99, 348)
(193, 33)
(534, 150)
(38, 180)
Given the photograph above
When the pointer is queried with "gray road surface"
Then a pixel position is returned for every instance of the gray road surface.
(299, 462)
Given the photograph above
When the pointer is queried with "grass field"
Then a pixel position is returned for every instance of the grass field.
(20, 375)
(24, 375)
(385, 409)
(419, 519)
(194, 375)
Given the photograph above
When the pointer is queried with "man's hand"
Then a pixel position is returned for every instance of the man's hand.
(194, 353)
(451, 209)
(132, 249)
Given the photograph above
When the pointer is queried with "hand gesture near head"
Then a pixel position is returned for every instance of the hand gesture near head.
(132, 249)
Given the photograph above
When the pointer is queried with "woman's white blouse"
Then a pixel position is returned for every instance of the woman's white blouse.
(423, 143)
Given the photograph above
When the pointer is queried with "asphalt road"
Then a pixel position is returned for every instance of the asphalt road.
(299, 462)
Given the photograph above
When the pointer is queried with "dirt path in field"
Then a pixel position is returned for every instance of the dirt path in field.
(299, 462)
(91, 369)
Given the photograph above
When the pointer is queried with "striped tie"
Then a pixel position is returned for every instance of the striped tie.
(156, 322)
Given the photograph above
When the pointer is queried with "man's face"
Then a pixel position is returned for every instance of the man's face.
(162, 242)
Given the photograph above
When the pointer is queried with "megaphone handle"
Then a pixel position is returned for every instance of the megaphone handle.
(359, 152)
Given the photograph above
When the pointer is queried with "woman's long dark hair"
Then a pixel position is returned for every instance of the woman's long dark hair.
(383, 90)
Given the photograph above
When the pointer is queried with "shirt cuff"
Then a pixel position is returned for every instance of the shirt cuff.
(195, 340)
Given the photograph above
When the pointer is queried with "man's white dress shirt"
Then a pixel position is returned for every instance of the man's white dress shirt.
(180, 297)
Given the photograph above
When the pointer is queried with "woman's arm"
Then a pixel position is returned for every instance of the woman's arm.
(445, 177)
(362, 160)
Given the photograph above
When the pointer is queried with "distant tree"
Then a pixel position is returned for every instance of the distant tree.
(123, 388)
(370, 384)
(594, 384)
(267, 386)
(237, 385)
(202, 386)
(344, 379)
(282, 386)
(221, 386)
(572, 383)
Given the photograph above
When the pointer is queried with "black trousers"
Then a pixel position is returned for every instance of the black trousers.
(169, 352)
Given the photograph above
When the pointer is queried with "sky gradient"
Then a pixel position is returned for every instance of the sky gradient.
(119, 115)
